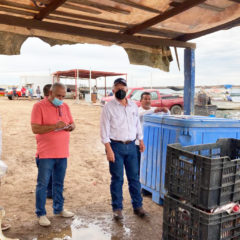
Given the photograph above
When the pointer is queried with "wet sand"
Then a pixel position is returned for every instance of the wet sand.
(86, 184)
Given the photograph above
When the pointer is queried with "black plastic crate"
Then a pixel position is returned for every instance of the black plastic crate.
(206, 175)
(185, 222)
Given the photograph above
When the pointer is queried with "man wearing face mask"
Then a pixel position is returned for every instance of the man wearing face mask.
(120, 127)
(52, 121)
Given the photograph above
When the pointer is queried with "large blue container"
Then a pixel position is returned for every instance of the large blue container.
(159, 131)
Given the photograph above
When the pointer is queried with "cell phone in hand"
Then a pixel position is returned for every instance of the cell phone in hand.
(66, 127)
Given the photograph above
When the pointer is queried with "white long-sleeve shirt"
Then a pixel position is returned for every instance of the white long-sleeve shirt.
(142, 112)
(120, 123)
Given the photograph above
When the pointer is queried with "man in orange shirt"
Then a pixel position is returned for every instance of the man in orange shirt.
(52, 121)
(46, 90)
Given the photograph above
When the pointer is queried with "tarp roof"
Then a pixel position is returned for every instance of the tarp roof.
(144, 28)
(85, 74)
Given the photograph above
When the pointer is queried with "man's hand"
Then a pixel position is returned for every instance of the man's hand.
(110, 155)
(70, 128)
(161, 109)
(141, 146)
(60, 124)
(109, 152)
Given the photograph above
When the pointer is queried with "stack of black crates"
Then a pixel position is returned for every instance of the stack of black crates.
(199, 179)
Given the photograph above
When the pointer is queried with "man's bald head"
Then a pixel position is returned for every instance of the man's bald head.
(57, 85)
(57, 90)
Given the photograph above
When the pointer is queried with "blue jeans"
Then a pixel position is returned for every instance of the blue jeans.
(47, 167)
(125, 155)
(139, 158)
(49, 188)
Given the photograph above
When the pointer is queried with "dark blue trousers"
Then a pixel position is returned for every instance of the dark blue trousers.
(125, 156)
(47, 167)
(139, 158)
(49, 188)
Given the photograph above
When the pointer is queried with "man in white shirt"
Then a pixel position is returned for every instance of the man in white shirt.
(144, 109)
(120, 127)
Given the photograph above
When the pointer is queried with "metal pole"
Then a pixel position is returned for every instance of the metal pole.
(90, 78)
(105, 86)
(189, 81)
(77, 84)
(151, 80)
(76, 77)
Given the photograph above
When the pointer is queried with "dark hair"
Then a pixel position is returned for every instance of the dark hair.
(145, 93)
(46, 89)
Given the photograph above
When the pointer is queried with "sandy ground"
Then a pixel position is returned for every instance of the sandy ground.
(86, 183)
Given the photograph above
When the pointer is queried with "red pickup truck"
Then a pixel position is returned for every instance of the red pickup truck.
(130, 93)
(173, 102)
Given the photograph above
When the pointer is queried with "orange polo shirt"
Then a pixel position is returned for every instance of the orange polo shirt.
(54, 144)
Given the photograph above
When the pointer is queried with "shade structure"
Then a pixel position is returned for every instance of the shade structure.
(85, 74)
(147, 27)
(82, 73)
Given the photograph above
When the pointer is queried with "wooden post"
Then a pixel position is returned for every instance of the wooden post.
(189, 81)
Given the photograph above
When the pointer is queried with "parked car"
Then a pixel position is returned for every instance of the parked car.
(2, 91)
(130, 93)
(13, 93)
(173, 102)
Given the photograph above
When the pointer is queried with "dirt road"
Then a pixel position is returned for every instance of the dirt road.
(86, 184)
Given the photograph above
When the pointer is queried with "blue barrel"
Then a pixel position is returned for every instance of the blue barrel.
(159, 131)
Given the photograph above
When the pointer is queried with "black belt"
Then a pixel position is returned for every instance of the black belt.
(126, 142)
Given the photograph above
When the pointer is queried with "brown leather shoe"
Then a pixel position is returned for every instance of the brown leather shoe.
(140, 212)
(5, 226)
(117, 215)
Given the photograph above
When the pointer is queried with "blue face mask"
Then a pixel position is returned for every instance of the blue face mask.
(56, 102)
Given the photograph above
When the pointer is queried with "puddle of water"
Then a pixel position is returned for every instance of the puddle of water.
(88, 231)
(80, 230)
(127, 231)
(103, 228)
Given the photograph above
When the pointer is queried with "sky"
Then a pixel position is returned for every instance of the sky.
(217, 61)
